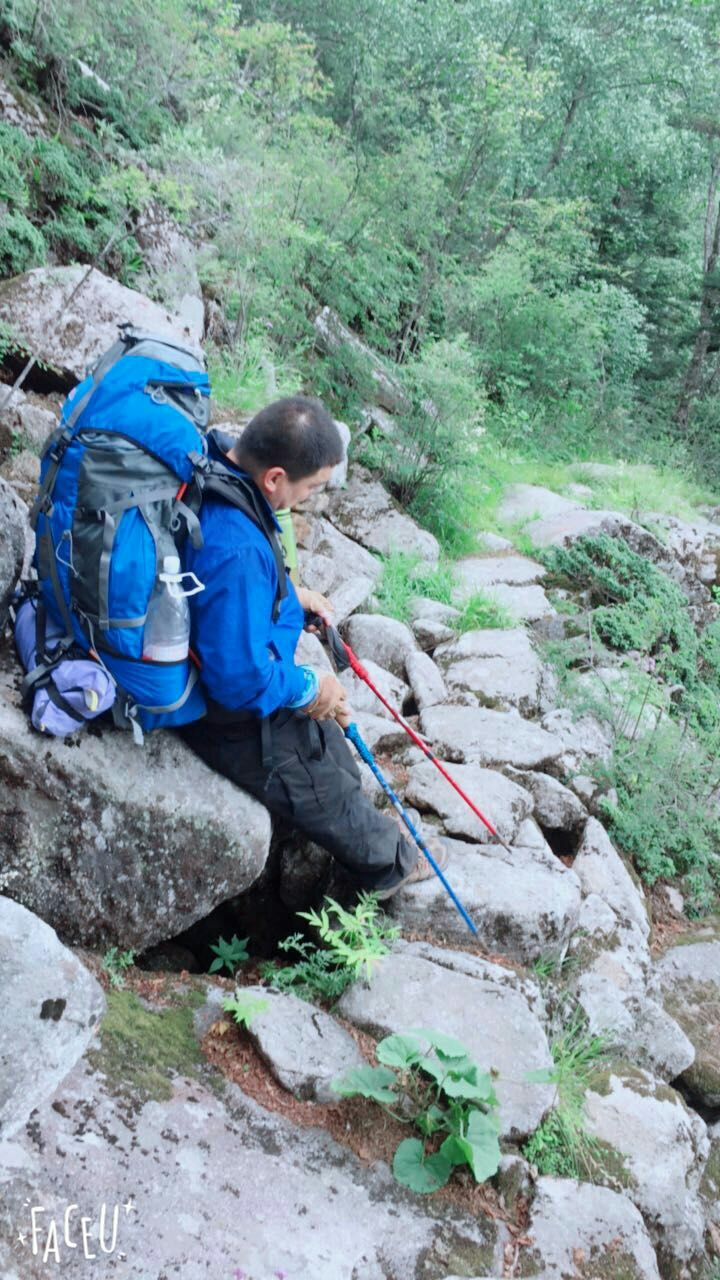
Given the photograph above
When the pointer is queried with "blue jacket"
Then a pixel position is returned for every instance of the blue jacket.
(247, 659)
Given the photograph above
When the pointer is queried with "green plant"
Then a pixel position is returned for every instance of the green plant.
(354, 941)
(115, 962)
(244, 1007)
(429, 1080)
(481, 612)
(229, 955)
(561, 1145)
(404, 578)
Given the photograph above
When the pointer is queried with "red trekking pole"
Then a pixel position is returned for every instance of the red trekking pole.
(344, 658)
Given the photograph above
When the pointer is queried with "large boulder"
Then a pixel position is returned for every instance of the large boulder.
(602, 871)
(28, 419)
(477, 573)
(112, 843)
(361, 697)
(503, 802)
(16, 544)
(202, 1181)
(482, 1004)
(689, 978)
(501, 667)
(169, 262)
(339, 567)
(332, 336)
(304, 1047)
(469, 734)
(364, 511)
(523, 502)
(51, 1008)
(383, 640)
(524, 903)
(664, 1146)
(69, 342)
(586, 1232)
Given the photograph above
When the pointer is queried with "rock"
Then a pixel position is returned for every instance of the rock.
(689, 978)
(696, 545)
(361, 697)
(490, 542)
(383, 640)
(16, 545)
(601, 870)
(169, 262)
(432, 622)
(523, 604)
(583, 738)
(310, 652)
(32, 302)
(502, 801)
(524, 903)
(487, 1011)
(51, 1007)
(215, 1184)
(586, 1232)
(555, 806)
(348, 572)
(20, 110)
(303, 1046)
(339, 474)
(23, 472)
(582, 492)
(523, 502)
(501, 667)
(28, 418)
(365, 512)
(665, 1147)
(486, 737)
(331, 336)
(379, 733)
(425, 679)
(112, 843)
(305, 873)
(477, 573)
(613, 997)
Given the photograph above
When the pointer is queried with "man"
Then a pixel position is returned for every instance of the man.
(271, 725)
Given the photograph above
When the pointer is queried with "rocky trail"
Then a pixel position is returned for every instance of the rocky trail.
(106, 1098)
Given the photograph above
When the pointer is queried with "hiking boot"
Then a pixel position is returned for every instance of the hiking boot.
(422, 869)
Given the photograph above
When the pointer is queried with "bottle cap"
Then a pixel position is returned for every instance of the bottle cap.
(171, 565)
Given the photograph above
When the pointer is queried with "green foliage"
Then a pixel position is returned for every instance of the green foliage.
(480, 612)
(429, 1080)
(666, 813)
(561, 1145)
(115, 962)
(244, 1007)
(404, 578)
(353, 942)
(229, 955)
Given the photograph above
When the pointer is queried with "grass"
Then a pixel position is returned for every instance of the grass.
(561, 1145)
(246, 379)
(405, 578)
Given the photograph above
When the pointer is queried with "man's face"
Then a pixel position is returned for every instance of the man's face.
(280, 491)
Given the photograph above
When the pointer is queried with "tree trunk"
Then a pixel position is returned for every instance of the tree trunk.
(710, 302)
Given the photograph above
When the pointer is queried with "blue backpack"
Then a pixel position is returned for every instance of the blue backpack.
(121, 483)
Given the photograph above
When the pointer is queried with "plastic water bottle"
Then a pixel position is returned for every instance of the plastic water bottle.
(167, 626)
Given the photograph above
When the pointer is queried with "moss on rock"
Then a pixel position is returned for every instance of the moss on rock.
(141, 1049)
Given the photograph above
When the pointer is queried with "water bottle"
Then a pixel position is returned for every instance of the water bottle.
(167, 625)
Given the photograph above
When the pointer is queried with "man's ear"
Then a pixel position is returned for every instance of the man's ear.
(270, 477)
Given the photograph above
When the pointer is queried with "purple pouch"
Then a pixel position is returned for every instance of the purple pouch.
(84, 685)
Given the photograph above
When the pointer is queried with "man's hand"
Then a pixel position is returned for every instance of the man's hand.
(331, 698)
(314, 602)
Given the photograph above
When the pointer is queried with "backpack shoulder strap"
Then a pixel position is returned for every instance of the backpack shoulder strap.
(218, 481)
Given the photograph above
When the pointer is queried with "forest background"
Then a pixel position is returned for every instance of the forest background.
(515, 204)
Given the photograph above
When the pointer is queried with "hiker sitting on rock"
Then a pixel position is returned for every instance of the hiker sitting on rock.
(271, 725)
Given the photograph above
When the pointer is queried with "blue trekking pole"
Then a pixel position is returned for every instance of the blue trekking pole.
(352, 733)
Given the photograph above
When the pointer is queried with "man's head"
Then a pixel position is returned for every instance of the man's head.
(289, 449)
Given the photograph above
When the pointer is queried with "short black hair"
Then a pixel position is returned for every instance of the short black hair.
(296, 433)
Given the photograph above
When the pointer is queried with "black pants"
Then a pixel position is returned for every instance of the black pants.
(312, 782)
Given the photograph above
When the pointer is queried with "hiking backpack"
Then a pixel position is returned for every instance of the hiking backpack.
(122, 480)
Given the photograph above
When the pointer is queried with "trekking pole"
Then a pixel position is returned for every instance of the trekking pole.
(344, 658)
(352, 733)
